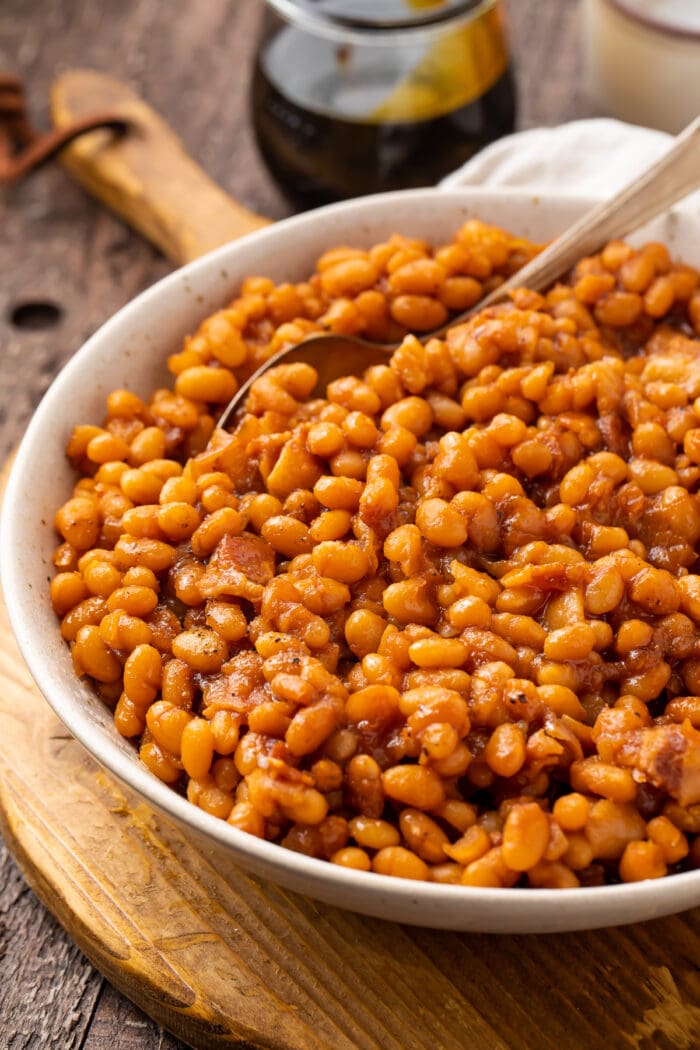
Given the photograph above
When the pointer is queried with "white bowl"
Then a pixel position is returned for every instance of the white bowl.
(130, 350)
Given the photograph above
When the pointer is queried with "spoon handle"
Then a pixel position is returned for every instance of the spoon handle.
(670, 178)
(146, 175)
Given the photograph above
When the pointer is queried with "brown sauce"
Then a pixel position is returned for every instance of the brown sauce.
(317, 158)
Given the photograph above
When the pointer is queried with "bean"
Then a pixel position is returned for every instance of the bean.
(203, 649)
(603, 778)
(570, 643)
(203, 383)
(91, 656)
(423, 835)
(177, 521)
(309, 728)
(133, 599)
(671, 841)
(142, 551)
(352, 857)
(78, 522)
(489, 870)
(438, 652)
(68, 589)
(505, 752)
(373, 833)
(142, 674)
(525, 836)
(375, 703)
(420, 313)
(399, 862)
(197, 748)
(441, 523)
(642, 860)
(415, 786)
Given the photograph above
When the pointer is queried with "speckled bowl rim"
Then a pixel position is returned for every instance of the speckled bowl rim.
(417, 903)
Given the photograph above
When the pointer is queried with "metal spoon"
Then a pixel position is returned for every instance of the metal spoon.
(657, 188)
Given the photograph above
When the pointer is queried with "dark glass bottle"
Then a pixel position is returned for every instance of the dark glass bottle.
(345, 104)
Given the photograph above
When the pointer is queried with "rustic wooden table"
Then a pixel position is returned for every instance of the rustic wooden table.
(67, 265)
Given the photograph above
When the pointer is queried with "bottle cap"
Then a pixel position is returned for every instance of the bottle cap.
(369, 15)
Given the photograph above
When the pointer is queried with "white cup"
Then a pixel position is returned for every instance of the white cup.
(643, 60)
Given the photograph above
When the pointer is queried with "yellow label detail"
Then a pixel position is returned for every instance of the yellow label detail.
(425, 3)
(457, 69)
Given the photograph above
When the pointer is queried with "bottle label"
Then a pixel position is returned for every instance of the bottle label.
(374, 84)
(455, 71)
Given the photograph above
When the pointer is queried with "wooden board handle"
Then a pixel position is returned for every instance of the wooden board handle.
(145, 175)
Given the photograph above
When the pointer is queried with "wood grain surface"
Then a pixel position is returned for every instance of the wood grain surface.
(68, 265)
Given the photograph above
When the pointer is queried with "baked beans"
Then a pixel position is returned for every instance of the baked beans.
(442, 622)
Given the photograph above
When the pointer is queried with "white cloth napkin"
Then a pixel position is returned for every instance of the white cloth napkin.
(586, 158)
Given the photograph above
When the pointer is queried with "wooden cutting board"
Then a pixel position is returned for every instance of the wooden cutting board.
(223, 959)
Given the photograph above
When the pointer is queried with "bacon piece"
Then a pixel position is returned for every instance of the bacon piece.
(553, 576)
(234, 688)
(669, 757)
(666, 756)
(295, 468)
(239, 567)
